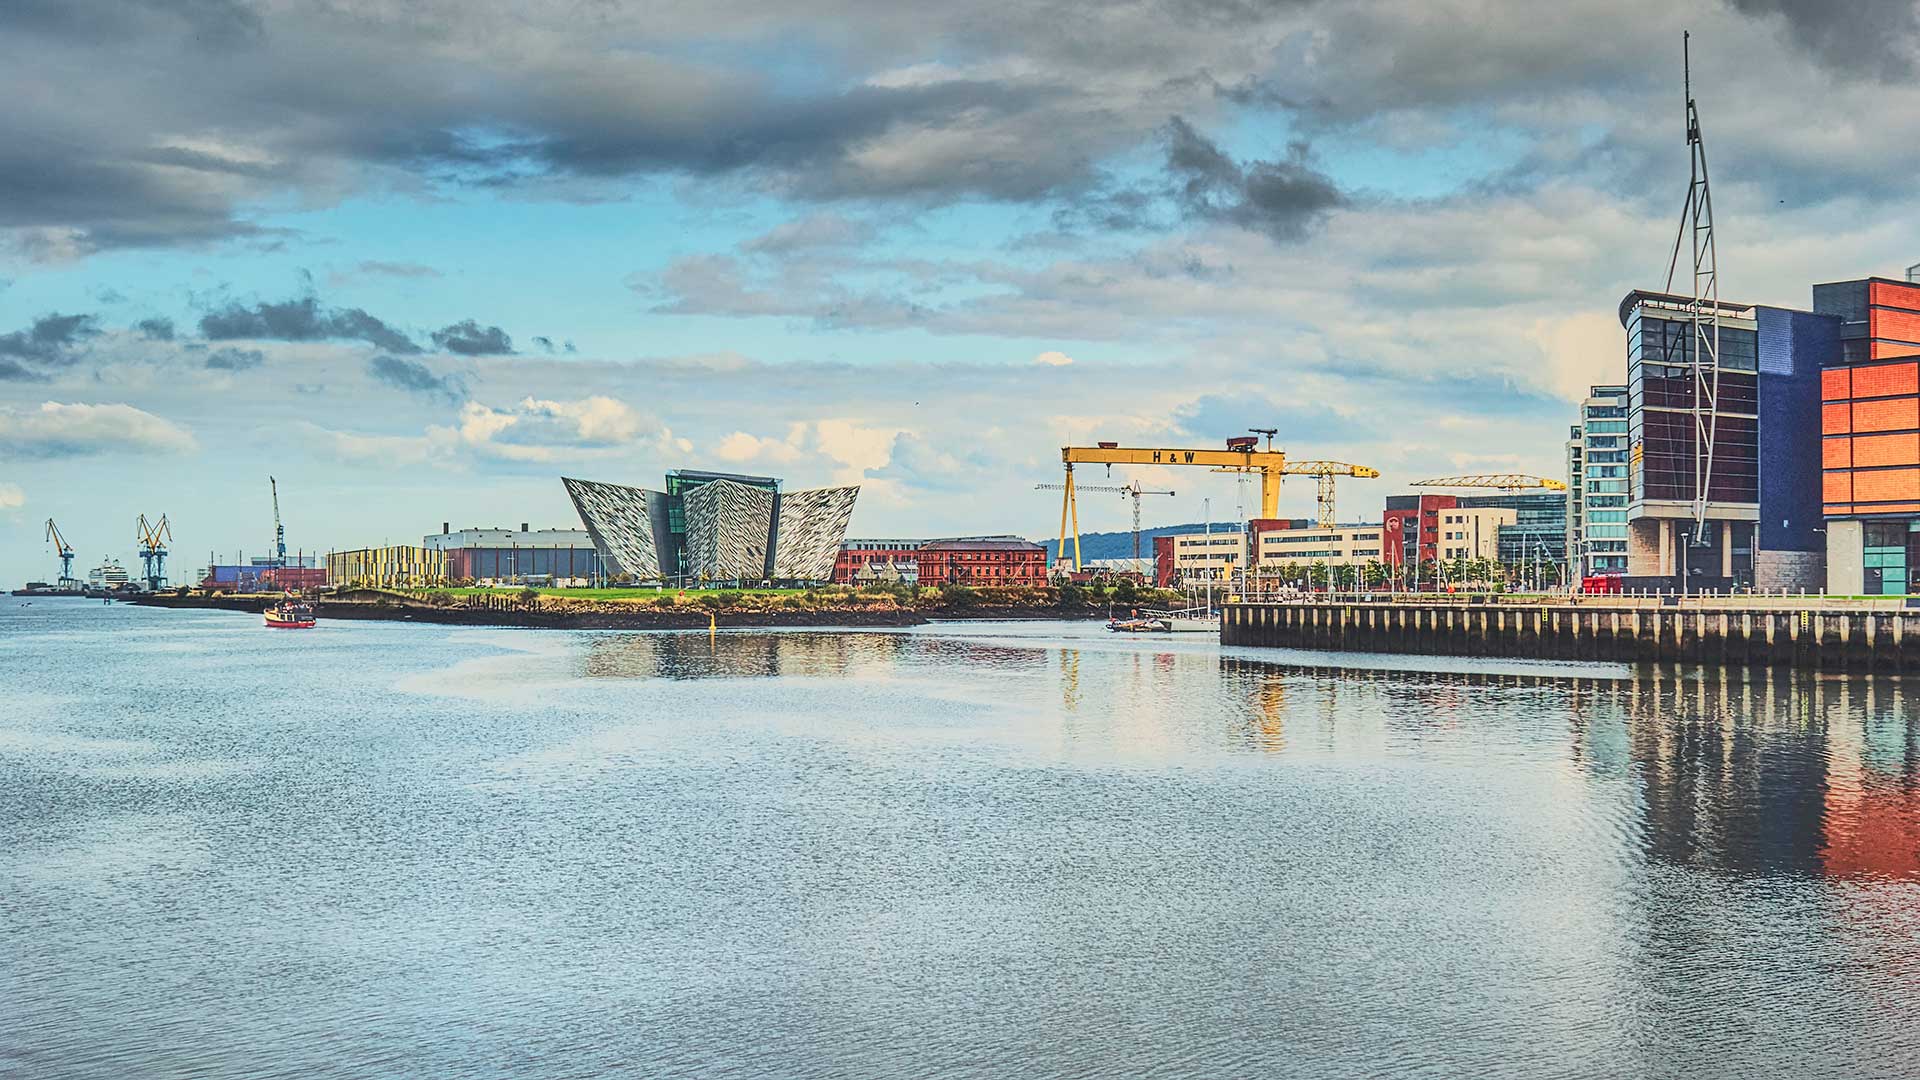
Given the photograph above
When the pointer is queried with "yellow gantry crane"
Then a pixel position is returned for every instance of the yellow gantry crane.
(1507, 482)
(1241, 455)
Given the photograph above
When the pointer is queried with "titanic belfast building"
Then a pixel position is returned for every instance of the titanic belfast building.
(716, 527)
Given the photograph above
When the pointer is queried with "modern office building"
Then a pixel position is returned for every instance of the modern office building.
(1870, 428)
(1279, 541)
(1596, 534)
(392, 567)
(714, 527)
(1410, 528)
(1762, 516)
(1207, 556)
(1473, 532)
(517, 556)
(1538, 534)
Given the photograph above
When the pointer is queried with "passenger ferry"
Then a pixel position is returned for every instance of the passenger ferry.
(108, 575)
(289, 614)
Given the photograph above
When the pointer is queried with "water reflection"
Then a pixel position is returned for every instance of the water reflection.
(735, 656)
(1753, 773)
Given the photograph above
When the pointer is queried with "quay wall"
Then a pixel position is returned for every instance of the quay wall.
(1807, 637)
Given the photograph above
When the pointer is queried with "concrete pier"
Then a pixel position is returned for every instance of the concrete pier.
(1806, 637)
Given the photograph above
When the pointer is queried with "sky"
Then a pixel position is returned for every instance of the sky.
(417, 259)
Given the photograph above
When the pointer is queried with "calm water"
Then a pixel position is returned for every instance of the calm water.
(384, 850)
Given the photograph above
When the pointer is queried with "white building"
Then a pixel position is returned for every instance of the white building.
(1203, 556)
(1473, 532)
(1340, 545)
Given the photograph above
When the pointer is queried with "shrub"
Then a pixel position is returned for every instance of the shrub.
(529, 596)
(1072, 596)
(959, 596)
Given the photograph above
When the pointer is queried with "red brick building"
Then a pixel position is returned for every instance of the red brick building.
(861, 560)
(1412, 523)
(994, 560)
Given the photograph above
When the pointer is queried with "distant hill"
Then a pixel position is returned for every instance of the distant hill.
(1119, 545)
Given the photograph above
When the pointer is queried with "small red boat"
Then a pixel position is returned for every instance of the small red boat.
(289, 615)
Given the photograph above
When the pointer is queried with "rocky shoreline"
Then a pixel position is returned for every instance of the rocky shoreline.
(599, 617)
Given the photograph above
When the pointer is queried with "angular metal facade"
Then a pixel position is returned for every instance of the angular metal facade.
(812, 524)
(728, 529)
(621, 521)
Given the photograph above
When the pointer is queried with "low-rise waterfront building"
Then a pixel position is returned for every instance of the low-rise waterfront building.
(1300, 540)
(515, 556)
(981, 560)
(391, 567)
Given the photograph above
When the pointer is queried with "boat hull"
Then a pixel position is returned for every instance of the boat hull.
(290, 624)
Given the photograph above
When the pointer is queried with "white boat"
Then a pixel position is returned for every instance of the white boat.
(1193, 620)
(108, 575)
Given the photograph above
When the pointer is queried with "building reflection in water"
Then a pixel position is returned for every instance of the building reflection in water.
(1744, 772)
(736, 656)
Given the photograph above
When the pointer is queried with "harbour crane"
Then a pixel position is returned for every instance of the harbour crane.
(1132, 490)
(1242, 454)
(153, 538)
(65, 551)
(1323, 473)
(279, 532)
(1507, 482)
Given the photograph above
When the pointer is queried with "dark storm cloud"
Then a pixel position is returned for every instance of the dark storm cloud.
(53, 341)
(469, 338)
(304, 319)
(1876, 37)
(1279, 198)
(235, 359)
(157, 328)
(206, 23)
(415, 377)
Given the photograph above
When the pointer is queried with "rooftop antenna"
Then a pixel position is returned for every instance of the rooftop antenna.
(1703, 306)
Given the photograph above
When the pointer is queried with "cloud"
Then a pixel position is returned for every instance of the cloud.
(415, 377)
(469, 338)
(1280, 198)
(11, 497)
(534, 431)
(1053, 358)
(157, 328)
(1874, 37)
(376, 268)
(811, 233)
(235, 359)
(62, 430)
(304, 319)
(53, 341)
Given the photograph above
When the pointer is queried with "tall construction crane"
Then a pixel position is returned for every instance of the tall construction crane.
(65, 551)
(279, 532)
(1133, 490)
(153, 538)
(1323, 473)
(1507, 482)
(1242, 454)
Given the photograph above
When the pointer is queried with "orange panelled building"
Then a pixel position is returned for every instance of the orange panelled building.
(1870, 430)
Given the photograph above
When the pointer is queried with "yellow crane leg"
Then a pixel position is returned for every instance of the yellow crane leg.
(1075, 504)
(1270, 491)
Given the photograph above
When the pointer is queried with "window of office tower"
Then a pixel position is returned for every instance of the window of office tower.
(1661, 395)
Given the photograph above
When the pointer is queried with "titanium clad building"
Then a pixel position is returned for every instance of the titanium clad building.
(715, 527)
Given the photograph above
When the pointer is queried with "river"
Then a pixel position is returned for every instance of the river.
(963, 850)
